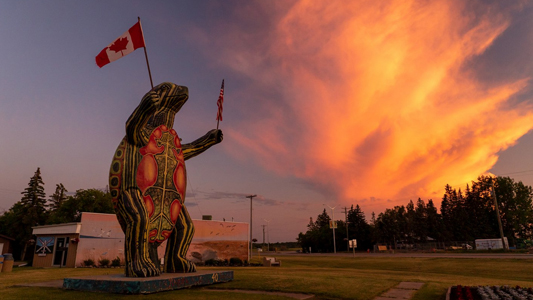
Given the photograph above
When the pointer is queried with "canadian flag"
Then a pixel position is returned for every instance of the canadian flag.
(122, 46)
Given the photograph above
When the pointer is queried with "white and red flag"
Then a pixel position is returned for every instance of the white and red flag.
(220, 101)
(122, 46)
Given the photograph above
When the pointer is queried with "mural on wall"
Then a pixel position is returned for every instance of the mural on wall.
(147, 182)
(101, 237)
(219, 240)
(45, 245)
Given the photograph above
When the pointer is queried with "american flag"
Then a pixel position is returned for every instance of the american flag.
(220, 101)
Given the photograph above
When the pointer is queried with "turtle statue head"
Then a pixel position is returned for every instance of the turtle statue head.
(166, 100)
(170, 96)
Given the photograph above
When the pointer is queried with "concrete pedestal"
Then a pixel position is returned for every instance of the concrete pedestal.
(120, 284)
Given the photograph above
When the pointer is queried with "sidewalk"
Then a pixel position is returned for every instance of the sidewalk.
(404, 290)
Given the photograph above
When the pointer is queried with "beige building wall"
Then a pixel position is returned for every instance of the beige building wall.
(99, 236)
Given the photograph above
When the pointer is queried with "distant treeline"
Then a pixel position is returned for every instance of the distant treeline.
(464, 216)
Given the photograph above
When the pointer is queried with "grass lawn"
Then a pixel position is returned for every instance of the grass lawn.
(325, 277)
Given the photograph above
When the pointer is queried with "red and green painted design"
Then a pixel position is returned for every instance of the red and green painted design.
(162, 155)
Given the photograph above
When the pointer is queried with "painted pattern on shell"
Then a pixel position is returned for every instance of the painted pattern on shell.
(161, 175)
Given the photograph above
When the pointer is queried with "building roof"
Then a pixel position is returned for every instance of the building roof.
(6, 237)
(65, 228)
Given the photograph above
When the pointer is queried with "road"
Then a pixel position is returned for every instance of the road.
(410, 254)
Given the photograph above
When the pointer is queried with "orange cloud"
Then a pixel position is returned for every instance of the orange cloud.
(377, 99)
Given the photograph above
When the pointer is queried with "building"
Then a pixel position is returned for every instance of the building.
(99, 236)
(6, 244)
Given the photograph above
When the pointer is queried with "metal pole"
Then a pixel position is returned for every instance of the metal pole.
(347, 235)
(263, 235)
(250, 252)
(333, 225)
(268, 234)
(496, 207)
(146, 54)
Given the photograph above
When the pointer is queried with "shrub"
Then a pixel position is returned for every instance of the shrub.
(214, 262)
(104, 262)
(235, 261)
(88, 262)
(115, 262)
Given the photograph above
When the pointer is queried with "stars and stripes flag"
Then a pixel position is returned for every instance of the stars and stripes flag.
(220, 101)
(122, 46)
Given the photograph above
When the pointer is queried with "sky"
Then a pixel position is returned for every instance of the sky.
(327, 103)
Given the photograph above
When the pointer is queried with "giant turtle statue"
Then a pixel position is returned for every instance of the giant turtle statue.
(147, 182)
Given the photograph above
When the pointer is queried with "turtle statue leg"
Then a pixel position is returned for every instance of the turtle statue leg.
(178, 245)
(136, 246)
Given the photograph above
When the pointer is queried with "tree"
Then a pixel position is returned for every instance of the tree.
(420, 221)
(435, 227)
(34, 201)
(359, 229)
(318, 236)
(57, 198)
(474, 215)
(90, 200)
(30, 211)
(516, 209)
(33, 209)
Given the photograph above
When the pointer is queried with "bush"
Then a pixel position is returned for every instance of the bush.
(104, 262)
(235, 261)
(88, 262)
(115, 262)
(215, 262)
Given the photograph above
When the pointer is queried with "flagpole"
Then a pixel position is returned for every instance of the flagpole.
(146, 54)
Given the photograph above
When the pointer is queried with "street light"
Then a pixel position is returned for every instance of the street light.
(333, 226)
(496, 207)
(250, 252)
(268, 235)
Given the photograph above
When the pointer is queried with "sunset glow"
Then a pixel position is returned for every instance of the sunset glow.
(380, 99)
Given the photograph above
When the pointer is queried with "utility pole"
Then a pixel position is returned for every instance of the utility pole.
(250, 253)
(268, 234)
(496, 207)
(263, 235)
(333, 225)
(347, 235)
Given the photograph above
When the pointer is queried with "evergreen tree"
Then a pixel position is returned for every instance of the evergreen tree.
(435, 227)
(421, 221)
(29, 212)
(318, 236)
(34, 201)
(57, 198)
(410, 223)
(359, 229)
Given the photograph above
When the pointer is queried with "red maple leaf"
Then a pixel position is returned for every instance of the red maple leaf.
(119, 45)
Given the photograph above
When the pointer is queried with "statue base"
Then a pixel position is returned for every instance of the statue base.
(120, 284)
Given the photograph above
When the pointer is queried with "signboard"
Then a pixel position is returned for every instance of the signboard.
(45, 245)
(485, 244)
(353, 243)
(332, 224)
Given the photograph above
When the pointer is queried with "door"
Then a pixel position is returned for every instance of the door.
(60, 256)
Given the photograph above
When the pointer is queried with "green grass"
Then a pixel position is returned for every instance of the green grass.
(325, 277)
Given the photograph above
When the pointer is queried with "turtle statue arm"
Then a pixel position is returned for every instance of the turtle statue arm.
(136, 123)
(211, 138)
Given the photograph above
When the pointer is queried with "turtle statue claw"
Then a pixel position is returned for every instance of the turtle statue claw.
(147, 182)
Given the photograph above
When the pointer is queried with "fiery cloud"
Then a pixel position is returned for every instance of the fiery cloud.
(374, 99)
